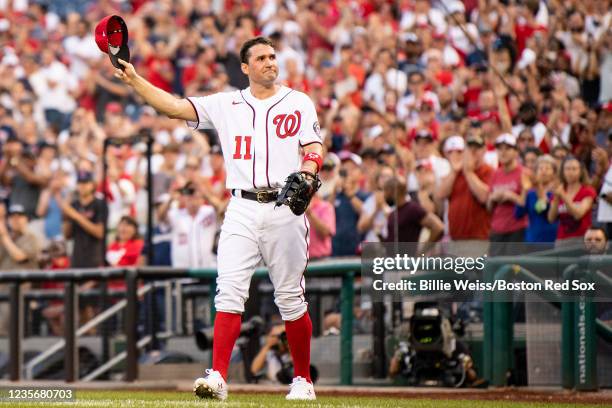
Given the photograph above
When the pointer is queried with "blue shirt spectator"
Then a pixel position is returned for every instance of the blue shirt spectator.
(539, 229)
(162, 238)
(347, 238)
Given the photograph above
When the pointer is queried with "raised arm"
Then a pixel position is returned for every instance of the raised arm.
(160, 100)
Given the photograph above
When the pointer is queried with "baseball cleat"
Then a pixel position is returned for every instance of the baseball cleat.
(301, 389)
(212, 386)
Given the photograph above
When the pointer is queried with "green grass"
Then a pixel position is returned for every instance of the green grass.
(185, 399)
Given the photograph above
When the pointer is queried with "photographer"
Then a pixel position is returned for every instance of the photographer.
(274, 355)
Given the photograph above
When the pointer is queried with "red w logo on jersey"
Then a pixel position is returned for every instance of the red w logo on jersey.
(287, 125)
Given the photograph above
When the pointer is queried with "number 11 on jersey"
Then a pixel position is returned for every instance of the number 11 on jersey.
(247, 147)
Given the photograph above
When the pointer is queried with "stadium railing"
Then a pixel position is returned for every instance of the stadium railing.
(345, 268)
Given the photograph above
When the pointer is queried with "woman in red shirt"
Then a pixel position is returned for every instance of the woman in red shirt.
(572, 203)
(126, 249)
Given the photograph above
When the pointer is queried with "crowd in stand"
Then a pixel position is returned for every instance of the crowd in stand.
(469, 121)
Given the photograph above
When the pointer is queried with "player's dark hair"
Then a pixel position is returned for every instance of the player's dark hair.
(246, 47)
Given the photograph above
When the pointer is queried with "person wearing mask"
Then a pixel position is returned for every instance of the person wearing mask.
(572, 203)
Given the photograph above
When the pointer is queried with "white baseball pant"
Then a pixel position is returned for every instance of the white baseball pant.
(252, 232)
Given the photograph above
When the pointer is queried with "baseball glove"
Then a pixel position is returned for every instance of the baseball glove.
(298, 190)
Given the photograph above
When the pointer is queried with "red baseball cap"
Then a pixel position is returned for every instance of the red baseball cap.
(111, 35)
(114, 107)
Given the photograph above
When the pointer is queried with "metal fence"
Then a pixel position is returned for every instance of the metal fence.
(346, 269)
(498, 323)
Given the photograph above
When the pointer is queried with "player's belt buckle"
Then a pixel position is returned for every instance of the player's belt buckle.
(262, 196)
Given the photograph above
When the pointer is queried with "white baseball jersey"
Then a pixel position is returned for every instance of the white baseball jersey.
(260, 139)
(193, 237)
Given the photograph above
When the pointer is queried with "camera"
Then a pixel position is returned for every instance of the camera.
(432, 355)
(248, 329)
(188, 189)
(282, 339)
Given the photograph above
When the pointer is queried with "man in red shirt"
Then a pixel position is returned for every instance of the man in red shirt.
(466, 188)
(504, 193)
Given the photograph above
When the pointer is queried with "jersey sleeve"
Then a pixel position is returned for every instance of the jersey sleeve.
(311, 130)
(205, 108)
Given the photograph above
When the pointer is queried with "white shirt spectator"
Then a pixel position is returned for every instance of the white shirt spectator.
(80, 50)
(376, 86)
(122, 197)
(538, 130)
(410, 104)
(434, 18)
(285, 54)
(458, 38)
(441, 168)
(604, 210)
(52, 85)
(576, 52)
(379, 224)
(193, 237)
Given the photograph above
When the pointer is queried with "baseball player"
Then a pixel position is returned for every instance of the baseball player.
(262, 130)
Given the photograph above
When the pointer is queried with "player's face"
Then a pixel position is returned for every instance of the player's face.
(262, 67)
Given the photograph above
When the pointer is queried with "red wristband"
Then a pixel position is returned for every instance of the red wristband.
(315, 158)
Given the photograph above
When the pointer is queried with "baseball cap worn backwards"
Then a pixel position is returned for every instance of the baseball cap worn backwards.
(111, 35)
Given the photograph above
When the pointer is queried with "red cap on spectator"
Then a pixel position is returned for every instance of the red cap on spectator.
(438, 35)
(427, 102)
(112, 37)
(114, 107)
(425, 164)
